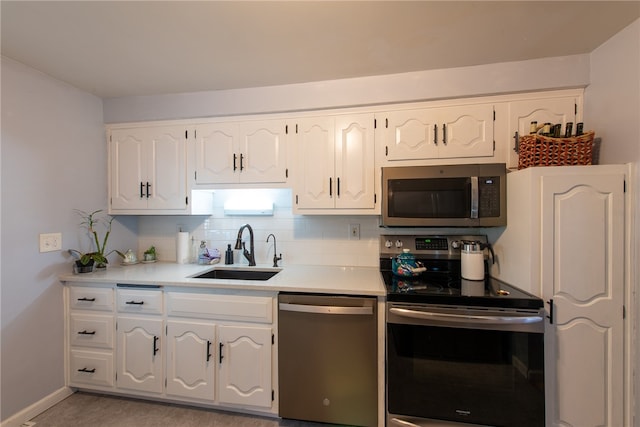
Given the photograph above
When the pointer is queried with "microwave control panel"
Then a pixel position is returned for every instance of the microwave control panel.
(489, 195)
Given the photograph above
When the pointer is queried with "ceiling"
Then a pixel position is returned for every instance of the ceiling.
(128, 48)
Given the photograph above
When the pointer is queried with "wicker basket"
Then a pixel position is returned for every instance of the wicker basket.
(538, 150)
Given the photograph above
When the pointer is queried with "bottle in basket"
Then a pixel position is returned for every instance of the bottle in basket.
(568, 129)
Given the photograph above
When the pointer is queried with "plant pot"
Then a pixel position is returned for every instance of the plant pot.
(79, 267)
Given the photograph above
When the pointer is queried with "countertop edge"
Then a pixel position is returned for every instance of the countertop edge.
(344, 280)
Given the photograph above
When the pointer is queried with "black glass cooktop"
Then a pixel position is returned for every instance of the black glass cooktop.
(451, 290)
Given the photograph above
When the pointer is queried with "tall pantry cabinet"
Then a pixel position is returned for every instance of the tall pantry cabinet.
(566, 241)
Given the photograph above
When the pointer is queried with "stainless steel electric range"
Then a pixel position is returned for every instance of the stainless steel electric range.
(462, 351)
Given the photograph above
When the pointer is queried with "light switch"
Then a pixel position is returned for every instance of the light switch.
(50, 242)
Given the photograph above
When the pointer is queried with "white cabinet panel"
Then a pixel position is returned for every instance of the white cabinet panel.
(91, 368)
(455, 132)
(191, 359)
(251, 152)
(582, 272)
(216, 152)
(139, 301)
(467, 131)
(561, 109)
(565, 241)
(140, 354)
(90, 298)
(147, 169)
(335, 165)
(91, 330)
(315, 147)
(245, 367)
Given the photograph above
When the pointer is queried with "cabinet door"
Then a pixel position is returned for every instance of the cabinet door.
(216, 153)
(167, 170)
(191, 359)
(245, 365)
(139, 353)
(465, 131)
(583, 276)
(128, 172)
(409, 135)
(148, 168)
(522, 113)
(354, 162)
(315, 147)
(263, 151)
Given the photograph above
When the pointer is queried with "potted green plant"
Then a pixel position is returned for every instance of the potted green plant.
(150, 254)
(97, 258)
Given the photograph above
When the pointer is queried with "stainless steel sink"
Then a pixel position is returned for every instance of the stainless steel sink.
(238, 274)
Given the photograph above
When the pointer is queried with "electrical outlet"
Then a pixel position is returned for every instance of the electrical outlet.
(354, 231)
(50, 242)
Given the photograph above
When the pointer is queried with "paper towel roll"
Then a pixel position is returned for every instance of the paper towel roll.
(182, 248)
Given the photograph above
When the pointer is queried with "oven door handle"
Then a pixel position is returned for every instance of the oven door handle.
(325, 309)
(466, 318)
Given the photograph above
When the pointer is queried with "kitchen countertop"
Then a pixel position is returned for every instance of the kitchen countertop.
(291, 278)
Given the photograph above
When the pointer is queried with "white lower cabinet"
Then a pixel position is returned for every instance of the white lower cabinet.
(191, 359)
(220, 349)
(90, 336)
(140, 352)
(245, 365)
(206, 346)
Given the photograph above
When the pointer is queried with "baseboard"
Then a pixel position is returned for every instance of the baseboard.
(37, 408)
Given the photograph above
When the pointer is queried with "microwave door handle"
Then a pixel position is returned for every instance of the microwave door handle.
(474, 197)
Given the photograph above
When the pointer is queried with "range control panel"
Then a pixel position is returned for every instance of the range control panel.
(436, 246)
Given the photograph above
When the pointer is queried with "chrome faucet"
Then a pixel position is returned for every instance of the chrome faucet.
(250, 256)
(276, 258)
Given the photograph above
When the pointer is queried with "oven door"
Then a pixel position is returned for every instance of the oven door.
(466, 365)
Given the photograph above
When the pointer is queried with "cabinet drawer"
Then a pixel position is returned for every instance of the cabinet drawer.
(91, 368)
(141, 301)
(227, 307)
(91, 330)
(88, 298)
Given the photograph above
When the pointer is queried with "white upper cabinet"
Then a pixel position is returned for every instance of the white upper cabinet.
(148, 170)
(467, 131)
(335, 167)
(555, 107)
(216, 148)
(241, 152)
(454, 132)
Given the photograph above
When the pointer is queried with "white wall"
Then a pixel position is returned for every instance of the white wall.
(508, 77)
(53, 160)
(612, 107)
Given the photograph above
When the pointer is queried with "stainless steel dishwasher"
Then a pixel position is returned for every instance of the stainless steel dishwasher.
(327, 353)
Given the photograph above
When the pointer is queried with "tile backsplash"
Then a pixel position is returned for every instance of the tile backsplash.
(301, 239)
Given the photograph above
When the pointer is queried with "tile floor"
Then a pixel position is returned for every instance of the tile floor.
(84, 409)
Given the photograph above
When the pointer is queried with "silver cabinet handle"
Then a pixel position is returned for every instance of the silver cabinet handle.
(325, 309)
(465, 318)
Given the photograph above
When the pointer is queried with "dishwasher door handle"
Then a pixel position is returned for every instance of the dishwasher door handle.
(325, 309)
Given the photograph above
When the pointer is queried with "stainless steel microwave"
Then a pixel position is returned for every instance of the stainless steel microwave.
(445, 196)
